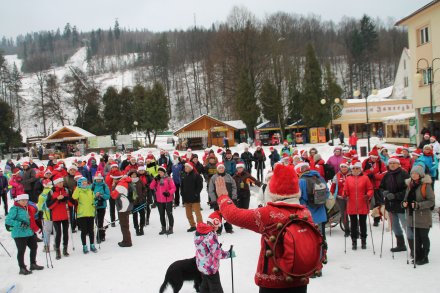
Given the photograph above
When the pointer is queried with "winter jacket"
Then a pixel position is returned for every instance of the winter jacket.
(191, 186)
(167, 185)
(176, 171)
(352, 140)
(230, 186)
(208, 252)
(242, 181)
(335, 161)
(152, 169)
(393, 189)
(85, 173)
(247, 158)
(260, 220)
(209, 171)
(199, 168)
(3, 185)
(141, 192)
(274, 157)
(319, 213)
(421, 144)
(406, 163)
(70, 183)
(29, 177)
(374, 170)
(86, 201)
(230, 166)
(358, 190)
(42, 203)
(165, 160)
(287, 150)
(59, 207)
(423, 211)
(430, 163)
(107, 169)
(122, 195)
(260, 159)
(130, 167)
(146, 179)
(93, 169)
(16, 186)
(104, 194)
(19, 219)
(101, 167)
(318, 166)
(338, 182)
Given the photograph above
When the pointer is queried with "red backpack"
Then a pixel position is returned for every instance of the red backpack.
(296, 247)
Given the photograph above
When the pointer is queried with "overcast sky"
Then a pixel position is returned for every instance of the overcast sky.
(22, 16)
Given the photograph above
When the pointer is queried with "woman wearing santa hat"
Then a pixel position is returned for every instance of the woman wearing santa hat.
(243, 179)
(337, 189)
(19, 221)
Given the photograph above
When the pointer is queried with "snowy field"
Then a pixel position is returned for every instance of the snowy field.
(142, 267)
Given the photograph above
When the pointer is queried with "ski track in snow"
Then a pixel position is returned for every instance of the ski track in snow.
(142, 267)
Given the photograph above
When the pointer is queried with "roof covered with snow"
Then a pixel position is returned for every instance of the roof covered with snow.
(382, 95)
(67, 133)
(239, 124)
(399, 117)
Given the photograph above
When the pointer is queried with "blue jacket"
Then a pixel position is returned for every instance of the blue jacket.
(176, 170)
(431, 163)
(230, 166)
(319, 214)
(18, 219)
(93, 170)
(102, 188)
(274, 157)
(85, 173)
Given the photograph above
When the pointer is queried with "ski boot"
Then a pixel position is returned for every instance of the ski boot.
(65, 253)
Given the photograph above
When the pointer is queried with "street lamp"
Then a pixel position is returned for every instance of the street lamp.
(135, 123)
(430, 71)
(336, 102)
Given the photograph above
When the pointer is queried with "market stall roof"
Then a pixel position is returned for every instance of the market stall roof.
(399, 118)
(202, 117)
(239, 124)
(68, 133)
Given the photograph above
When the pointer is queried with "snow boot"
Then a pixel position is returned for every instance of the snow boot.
(65, 253)
(170, 231)
(141, 231)
(24, 271)
(354, 244)
(123, 244)
(138, 233)
(191, 229)
(57, 253)
(85, 249)
(424, 260)
(35, 267)
(400, 244)
(147, 222)
(163, 231)
(93, 248)
(364, 243)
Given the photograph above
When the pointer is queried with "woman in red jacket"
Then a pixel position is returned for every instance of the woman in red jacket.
(317, 164)
(337, 189)
(352, 141)
(358, 190)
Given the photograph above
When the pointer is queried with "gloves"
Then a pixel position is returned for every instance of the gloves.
(390, 196)
(232, 254)
(166, 194)
(371, 176)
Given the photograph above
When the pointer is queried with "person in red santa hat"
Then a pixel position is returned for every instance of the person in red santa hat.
(15, 182)
(404, 156)
(284, 191)
(131, 166)
(375, 169)
(337, 189)
(112, 180)
(124, 203)
(52, 161)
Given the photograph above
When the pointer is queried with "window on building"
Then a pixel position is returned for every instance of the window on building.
(398, 131)
(404, 64)
(405, 81)
(424, 35)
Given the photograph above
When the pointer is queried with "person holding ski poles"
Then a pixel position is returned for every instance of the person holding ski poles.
(419, 200)
(47, 218)
(19, 222)
(139, 196)
(102, 194)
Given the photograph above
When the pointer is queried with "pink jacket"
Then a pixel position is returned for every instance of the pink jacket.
(168, 185)
(17, 187)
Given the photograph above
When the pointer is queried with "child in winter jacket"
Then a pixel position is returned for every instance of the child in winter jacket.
(42, 207)
(19, 221)
(86, 213)
(209, 253)
(102, 194)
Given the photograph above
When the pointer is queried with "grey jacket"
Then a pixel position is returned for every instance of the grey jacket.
(231, 186)
(423, 213)
(29, 178)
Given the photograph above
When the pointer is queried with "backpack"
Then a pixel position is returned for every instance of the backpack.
(423, 192)
(329, 172)
(316, 191)
(296, 247)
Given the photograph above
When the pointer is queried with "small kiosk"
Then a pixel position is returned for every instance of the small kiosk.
(67, 141)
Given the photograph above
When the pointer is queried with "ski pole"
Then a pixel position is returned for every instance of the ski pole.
(392, 239)
(5, 249)
(232, 267)
(98, 239)
(345, 238)
(381, 242)
(71, 233)
(133, 211)
(414, 236)
(45, 245)
(371, 232)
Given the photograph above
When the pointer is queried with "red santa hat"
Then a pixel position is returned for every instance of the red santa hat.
(405, 147)
(162, 168)
(25, 164)
(58, 179)
(417, 152)
(116, 174)
(16, 171)
(219, 151)
(347, 156)
(215, 219)
(92, 154)
(23, 196)
(374, 152)
(47, 171)
(98, 175)
(190, 165)
(47, 183)
(176, 153)
(433, 137)
(302, 167)
(354, 154)
(271, 148)
(51, 156)
(114, 166)
(220, 165)
(77, 176)
(394, 159)
(240, 165)
(356, 164)
(122, 186)
(150, 157)
(284, 183)
(399, 152)
(345, 163)
(101, 152)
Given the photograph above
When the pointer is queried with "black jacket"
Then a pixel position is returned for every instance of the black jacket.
(191, 185)
(393, 189)
(3, 184)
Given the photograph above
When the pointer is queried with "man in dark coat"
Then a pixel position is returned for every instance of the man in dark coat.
(247, 158)
(243, 179)
(259, 158)
(191, 185)
(28, 181)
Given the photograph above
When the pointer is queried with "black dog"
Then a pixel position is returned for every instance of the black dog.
(180, 271)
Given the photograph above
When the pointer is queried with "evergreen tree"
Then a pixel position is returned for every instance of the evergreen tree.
(332, 90)
(157, 105)
(8, 135)
(67, 31)
(112, 112)
(117, 30)
(246, 103)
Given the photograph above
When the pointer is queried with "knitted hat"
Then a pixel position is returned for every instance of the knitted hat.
(302, 167)
(284, 183)
(58, 179)
(47, 183)
(77, 176)
(98, 175)
(220, 165)
(394, 159)
(427, 146)
(419, 169)
(215, 219)
(22, 196)
(116, 174)
(240, 165)
(374, 152)
(162, 168)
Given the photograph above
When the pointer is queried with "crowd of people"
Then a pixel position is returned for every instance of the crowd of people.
(57, 197)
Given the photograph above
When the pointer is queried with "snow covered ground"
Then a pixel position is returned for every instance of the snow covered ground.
(141, 268)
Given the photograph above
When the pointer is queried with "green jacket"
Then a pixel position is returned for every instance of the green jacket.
(18, 219)
(42, 207)
(86, 202)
